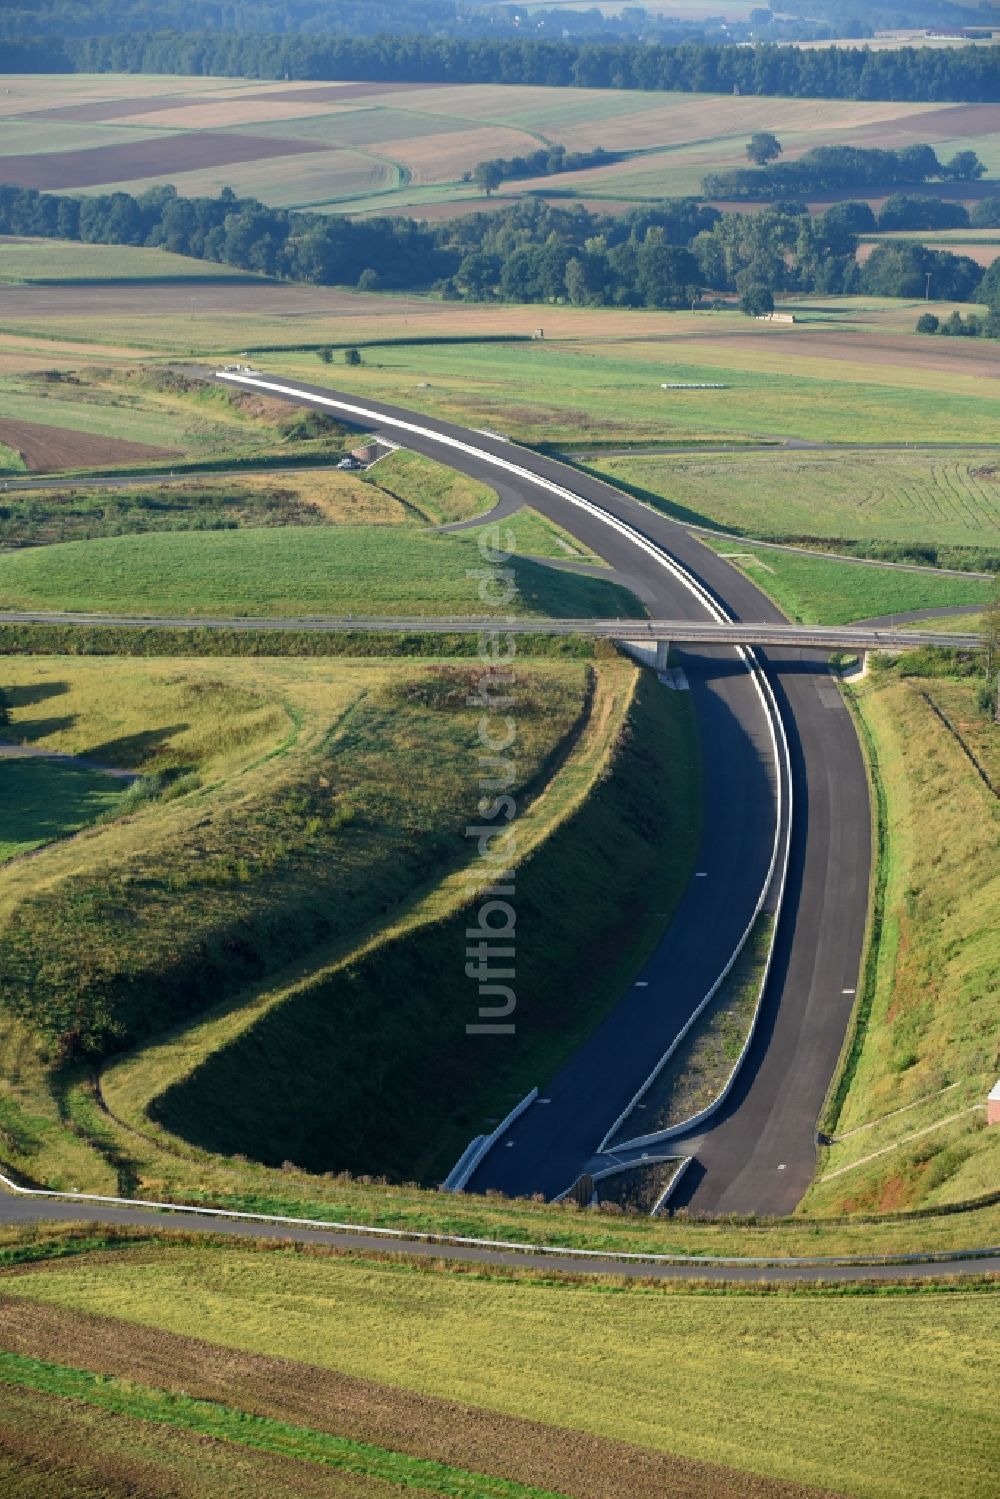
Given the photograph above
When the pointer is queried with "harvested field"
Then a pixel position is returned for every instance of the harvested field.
(337, 93)
(317, 175)
(46, 261)
(899, 351)
(52, 1447)
(24, 93)
(433, 158)
(52, 171)
(529, 1452)
(433, 133)
(112, 109)
(215, 114)
(50, 449)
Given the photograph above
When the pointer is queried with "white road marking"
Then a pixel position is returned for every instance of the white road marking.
(642, 983)
(848, 991)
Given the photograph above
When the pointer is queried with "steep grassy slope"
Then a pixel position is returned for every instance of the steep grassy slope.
(330, 1077)
(909, 1119)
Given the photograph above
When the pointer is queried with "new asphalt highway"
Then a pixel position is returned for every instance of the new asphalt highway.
(761, 1155)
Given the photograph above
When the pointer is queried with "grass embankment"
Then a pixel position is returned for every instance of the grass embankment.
(818, 591)
(306, 497)
(528, 533)
(942, 501)
(870, 1393)
(909, 1116)
(205, 642)
(431, 491)
(624, 843)
(176, 417)
(315, 798)
(289, 571)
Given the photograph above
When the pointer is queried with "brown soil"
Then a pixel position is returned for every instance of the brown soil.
(46, 450)
(571, 1462)
(923, 125)
(51, 1447)
(157, 157)
(336, 93)
(115, 109)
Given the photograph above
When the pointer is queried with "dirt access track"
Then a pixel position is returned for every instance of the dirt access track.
(47, 450)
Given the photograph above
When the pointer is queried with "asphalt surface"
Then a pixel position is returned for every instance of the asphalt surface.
(24, 1210)
(761, 1156)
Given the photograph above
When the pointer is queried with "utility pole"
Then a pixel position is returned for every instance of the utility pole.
(927, 289)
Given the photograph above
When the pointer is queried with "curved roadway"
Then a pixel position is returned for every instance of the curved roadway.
(760, 1156)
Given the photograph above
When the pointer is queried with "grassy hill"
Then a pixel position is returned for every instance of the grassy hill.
(288, 571)
(908, 1118)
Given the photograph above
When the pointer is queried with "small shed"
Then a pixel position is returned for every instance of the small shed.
(993, 1106)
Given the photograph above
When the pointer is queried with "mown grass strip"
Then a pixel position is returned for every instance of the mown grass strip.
(223, 1423)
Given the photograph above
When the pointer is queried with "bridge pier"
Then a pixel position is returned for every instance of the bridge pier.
(650, 652)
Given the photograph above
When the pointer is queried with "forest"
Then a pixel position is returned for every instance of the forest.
(667, 255)
(813, 20)
(922, 74)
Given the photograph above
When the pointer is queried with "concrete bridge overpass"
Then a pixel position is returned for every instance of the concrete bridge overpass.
(661, 632)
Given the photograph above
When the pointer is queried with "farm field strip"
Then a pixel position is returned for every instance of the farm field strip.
(951, 497)
(890, 1426)
(193, 127)
(547, 392)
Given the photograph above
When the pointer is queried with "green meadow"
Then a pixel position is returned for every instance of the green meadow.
(822, 591)
(947, 498)
(289, 571)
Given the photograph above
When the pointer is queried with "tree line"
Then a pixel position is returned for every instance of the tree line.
(919, 74)
(662, 255)
(835, 169)
(814, 20)
(548, 161)
(972, 325)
